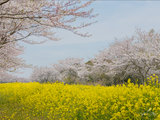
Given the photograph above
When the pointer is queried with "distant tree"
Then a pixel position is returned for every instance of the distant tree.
(45, 74)
(69, 69)
(6, 78)
(65, 71)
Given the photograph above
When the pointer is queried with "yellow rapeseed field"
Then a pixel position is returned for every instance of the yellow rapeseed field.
(35, 101)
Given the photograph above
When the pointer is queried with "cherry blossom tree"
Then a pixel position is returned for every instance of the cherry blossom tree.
(45, 74)
(136, 57)
(20, 19)
(66, 71)
(9, 60)
(70, 69)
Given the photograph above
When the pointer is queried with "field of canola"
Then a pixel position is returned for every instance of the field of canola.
(35, 101)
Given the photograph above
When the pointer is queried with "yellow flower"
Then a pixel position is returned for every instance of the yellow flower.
(58, 101)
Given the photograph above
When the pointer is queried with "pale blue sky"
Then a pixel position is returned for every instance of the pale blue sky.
(116, 19)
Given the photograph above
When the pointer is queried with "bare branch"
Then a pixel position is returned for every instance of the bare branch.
(3, 2)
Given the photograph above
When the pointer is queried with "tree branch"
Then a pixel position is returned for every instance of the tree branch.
(1, 3)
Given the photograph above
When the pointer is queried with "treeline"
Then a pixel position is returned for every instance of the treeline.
(136, 57)
(8, 78)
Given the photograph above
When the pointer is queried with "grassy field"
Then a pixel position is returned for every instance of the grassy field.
(35, 101)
